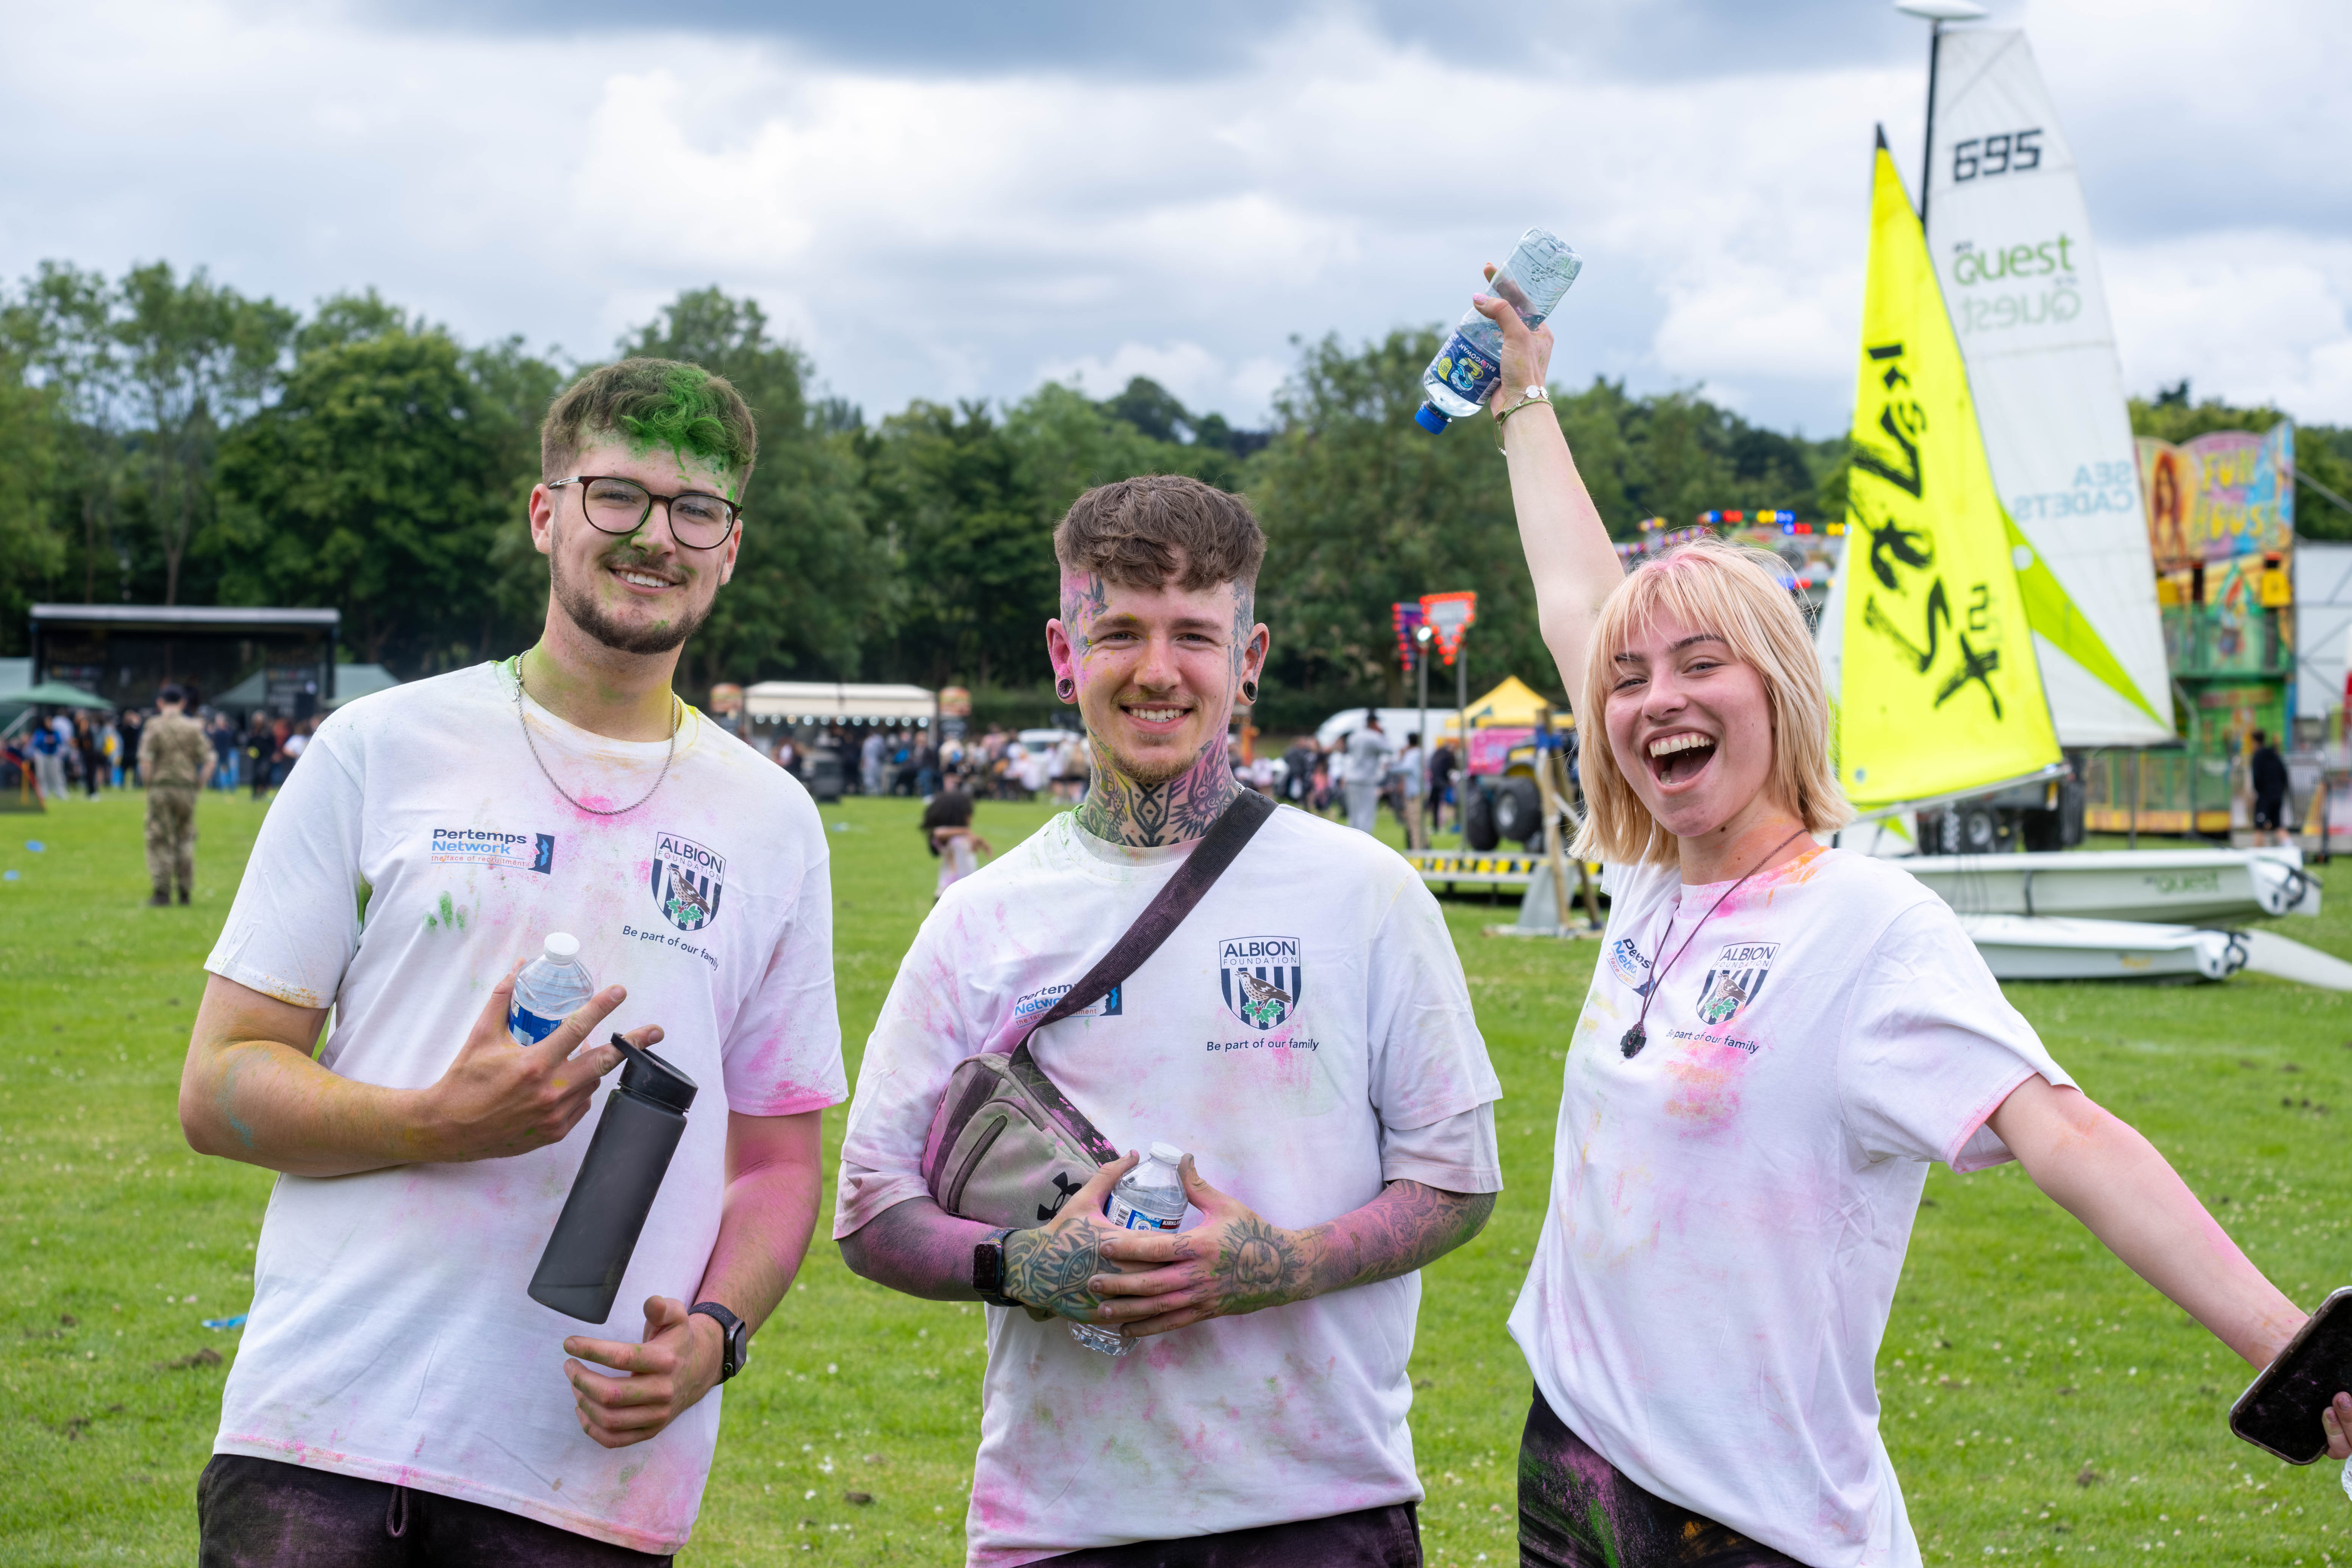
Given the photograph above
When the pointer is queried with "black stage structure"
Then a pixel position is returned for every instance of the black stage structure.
(125, 653)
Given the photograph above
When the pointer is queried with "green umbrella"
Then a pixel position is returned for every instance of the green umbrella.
(54, 694)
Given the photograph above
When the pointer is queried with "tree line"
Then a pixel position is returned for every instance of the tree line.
(173, 441)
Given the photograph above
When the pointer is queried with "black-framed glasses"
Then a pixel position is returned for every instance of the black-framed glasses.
(697, 519)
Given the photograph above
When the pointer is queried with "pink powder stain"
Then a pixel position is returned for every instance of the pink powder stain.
(1707, 1079)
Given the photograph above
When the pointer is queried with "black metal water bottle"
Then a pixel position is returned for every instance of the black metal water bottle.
(645, 1116)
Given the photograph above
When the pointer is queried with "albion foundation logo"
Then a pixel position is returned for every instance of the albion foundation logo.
(1261, 977)
(1736, 979)
(688, 879)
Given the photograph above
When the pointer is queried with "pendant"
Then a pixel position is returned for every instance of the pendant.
(1633, 1041)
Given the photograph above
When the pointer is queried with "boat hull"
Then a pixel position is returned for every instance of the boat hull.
(2171, 887)
(2016, 947)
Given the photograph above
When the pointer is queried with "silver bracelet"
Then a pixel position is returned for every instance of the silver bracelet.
(1537, 393)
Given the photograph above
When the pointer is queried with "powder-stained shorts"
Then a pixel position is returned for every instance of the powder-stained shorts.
(264, 1513)
(1371, 1538)
(1577, 1510)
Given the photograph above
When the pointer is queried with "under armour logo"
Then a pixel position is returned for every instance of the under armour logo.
(1063, 1188)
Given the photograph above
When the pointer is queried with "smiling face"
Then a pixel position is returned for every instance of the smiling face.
(643, 593)
(1691, 728)
(1157, 669)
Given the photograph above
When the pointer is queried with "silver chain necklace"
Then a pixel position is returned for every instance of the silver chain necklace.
(566, 793)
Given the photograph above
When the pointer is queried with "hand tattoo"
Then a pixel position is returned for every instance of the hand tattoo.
(1258, 1265)
(1050, 1266)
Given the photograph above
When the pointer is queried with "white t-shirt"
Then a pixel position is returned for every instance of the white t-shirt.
(1359, 1064)
(1730, 1207)
(416, 856)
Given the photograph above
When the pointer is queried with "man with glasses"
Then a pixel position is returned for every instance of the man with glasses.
(398, 1397)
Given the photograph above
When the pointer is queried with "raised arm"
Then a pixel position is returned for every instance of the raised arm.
(1567, 544)
(2104, 1173)
(250, 1090)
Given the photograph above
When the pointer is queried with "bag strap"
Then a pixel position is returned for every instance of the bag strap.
(1234, 828)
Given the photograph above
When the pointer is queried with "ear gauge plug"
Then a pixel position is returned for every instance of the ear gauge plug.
(1067, 690)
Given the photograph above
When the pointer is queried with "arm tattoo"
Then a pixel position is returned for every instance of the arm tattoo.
(1050, 1266)
(1408, 1227)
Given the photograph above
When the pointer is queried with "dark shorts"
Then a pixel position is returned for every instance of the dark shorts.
(260, 1513)
(1577, 1510)
(2268, 809)
(1375, 1538)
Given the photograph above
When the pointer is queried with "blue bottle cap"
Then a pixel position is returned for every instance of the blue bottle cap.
(1430, 419)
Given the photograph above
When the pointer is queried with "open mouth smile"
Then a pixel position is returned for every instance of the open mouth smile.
(1681, 757)
(643, 579)
(1155, 716)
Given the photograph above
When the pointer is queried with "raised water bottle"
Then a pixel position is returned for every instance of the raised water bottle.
(550, 989)
(1462, 376)
(1149, 1198)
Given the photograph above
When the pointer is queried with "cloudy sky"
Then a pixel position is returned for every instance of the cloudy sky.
(942, 199)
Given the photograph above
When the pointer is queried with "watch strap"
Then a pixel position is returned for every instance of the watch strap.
(732, 1349)
(988, 1268)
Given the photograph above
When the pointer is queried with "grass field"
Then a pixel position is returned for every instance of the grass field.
(2040, 1403)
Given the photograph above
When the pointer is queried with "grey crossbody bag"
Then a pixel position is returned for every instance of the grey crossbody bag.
(1006, 1146)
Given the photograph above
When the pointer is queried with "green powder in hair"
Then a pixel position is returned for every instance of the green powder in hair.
(687, 421)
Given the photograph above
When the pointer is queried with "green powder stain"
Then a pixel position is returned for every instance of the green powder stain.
(452, 917)
(688, 421)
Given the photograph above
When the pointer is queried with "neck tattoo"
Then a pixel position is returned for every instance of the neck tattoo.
(1151, 816)
(674, 716)
(1636, 1038)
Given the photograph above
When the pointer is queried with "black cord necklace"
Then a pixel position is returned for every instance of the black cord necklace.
(1636, 1037)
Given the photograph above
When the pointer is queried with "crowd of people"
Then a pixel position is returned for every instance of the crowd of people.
(87, 751)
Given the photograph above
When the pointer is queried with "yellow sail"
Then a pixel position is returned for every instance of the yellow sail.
(1940, 689)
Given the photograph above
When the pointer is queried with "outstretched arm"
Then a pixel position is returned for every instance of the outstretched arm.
(1567, 544)
(2105, 1173)
(1238, 1263)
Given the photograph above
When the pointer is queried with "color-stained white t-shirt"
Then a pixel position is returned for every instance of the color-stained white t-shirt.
(1730, 1207)
(416, 853)
(1349, 1059)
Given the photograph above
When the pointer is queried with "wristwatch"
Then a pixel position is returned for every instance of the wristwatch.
(988, 1268)
(735, 1337)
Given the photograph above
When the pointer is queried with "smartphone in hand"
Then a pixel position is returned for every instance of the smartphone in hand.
(2279, 1412)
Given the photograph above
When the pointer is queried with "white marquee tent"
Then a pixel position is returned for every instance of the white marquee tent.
(828, 702)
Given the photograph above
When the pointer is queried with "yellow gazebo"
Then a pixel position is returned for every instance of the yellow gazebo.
(1513, 702)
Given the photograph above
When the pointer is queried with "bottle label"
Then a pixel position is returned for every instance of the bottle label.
(1126, 1216)
(1467, 368)
(528, 1027)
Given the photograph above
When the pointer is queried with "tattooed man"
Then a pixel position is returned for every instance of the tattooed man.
(1305, 1034)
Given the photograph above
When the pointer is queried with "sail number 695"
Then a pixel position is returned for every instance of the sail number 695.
(2010, 152)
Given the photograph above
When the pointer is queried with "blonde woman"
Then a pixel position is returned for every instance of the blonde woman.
(1779, 1039)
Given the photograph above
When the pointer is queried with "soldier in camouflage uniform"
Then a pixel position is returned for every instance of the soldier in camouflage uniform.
(174, 760)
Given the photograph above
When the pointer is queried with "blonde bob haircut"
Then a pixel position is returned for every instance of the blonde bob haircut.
(1708, 585)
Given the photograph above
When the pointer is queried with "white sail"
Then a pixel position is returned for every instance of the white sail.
(2011, 243)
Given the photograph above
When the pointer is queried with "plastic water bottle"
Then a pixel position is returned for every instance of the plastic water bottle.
(1462, 376)
(1149, 1198)
(551, 988)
